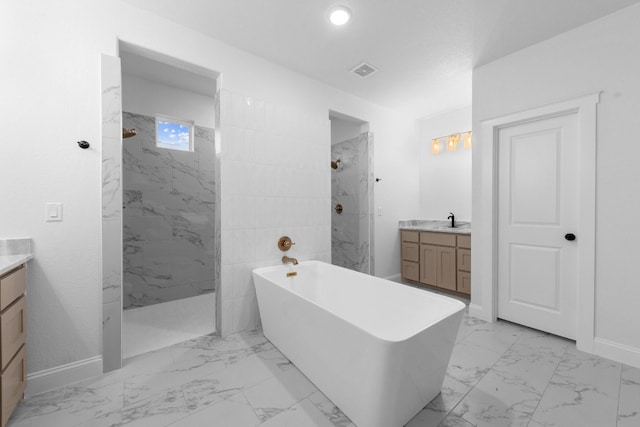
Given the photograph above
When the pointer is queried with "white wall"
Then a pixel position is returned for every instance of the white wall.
(51, 98)
(445, 178)
(142, 96)
(342, 130)
(600, 56)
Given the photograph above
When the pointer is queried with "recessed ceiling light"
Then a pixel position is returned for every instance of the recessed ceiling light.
(339, 15)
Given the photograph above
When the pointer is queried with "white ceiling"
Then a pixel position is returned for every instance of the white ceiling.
(424, 49)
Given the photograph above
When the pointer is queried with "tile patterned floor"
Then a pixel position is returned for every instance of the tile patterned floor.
(500, 374)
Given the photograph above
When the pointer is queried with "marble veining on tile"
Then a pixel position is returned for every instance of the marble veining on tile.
(111, 157)
(351, 186)
(629, 403)
(168, 231)
(500, 374)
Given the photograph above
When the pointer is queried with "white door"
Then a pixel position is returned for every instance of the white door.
(537, 216)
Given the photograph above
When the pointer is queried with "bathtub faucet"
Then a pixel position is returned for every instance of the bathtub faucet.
(287, 260)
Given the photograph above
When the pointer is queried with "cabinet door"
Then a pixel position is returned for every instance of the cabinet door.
(446, 267)
(464, 259)
(12, 385)
(429, 264)
(464, 282)
(12, 331)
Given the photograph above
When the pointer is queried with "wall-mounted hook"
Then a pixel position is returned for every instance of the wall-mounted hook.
(83, 144)
(378, 179)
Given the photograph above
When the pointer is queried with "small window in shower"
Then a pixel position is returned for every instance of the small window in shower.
(174, 134)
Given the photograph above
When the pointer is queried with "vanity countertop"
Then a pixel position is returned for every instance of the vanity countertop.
(14, 252)
(462, 227)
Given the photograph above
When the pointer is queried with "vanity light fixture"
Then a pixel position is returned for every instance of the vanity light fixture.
(451, 142)
(436, 146)
(467, 140)
(339, 15)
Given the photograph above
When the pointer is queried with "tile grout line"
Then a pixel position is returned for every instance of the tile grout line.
(619, 394)
(548, 383)
(480, 379)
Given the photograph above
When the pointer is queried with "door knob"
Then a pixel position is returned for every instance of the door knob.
(570, 237)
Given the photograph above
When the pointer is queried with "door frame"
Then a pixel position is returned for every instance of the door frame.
(486, 247)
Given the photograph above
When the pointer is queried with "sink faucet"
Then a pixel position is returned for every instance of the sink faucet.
(452, 217)
(287, 260)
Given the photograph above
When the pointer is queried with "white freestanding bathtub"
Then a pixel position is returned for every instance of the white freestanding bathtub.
(378, 349)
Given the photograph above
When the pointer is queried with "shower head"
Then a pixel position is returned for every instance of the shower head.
(128, 133)
(334, 165)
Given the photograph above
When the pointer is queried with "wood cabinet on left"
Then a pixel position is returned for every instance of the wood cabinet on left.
(12, 341)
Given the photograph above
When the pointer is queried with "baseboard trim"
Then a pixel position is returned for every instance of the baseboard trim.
(619, 352)
(60, 376)
(394, 278)
(476, 311)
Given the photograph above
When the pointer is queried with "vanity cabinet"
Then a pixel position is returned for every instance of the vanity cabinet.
(12, 341)
(438, 260)
(464, 264)
(410, 252)
(442, 260)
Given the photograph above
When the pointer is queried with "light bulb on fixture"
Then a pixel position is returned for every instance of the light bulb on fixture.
(435, 146)
(451, 143)
(339, 15)
(467, 140)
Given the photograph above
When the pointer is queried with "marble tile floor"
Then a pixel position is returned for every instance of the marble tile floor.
(500, 374)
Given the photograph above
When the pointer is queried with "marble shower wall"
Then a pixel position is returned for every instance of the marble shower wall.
(111, 87)
(168, 218)
(352, 187)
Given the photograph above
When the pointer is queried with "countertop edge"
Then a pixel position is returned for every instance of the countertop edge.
(9, 262)
(435, 226)
(433, 230)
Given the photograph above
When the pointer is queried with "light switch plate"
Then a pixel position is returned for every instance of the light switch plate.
(53, 211)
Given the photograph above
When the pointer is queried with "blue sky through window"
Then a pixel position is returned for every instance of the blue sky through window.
(172, 135)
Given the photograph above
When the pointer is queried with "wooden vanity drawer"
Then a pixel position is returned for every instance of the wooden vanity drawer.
(12, 331)
(12, 286)
(12, 384)
(464, 259)
(410, 270)
(410, 236)
(441, 239)
(464, 241)
(410, 252)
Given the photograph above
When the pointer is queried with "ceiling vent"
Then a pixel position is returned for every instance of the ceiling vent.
(364, 70)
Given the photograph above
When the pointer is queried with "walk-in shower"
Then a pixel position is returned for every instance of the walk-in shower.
(351, 195)
(169, 204)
